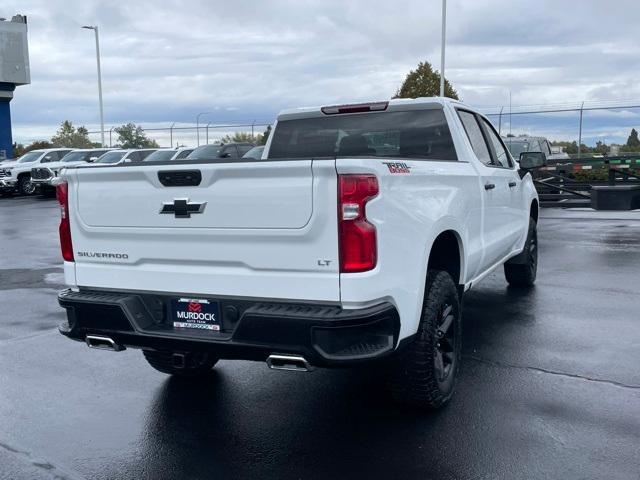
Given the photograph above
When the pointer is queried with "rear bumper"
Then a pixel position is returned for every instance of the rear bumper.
(251, 330)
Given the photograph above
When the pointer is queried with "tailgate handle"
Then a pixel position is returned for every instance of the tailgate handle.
(180, 178)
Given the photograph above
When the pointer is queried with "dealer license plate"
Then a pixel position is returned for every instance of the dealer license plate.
(195, 313)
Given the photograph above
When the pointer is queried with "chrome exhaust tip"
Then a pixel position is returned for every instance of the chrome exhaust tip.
(288, 362)
(103, 343)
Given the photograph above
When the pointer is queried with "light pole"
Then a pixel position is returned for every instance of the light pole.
(444, 39)
(95, 30)
(198, 125)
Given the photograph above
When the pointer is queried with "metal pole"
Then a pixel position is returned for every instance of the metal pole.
(110, 132)
(444, 35)
(171, 133)
(500, 121)
(509, 112)
(100, 85)
(198, 124)
(96, 32)
(580, 134)
(208, 132)
(252, 125)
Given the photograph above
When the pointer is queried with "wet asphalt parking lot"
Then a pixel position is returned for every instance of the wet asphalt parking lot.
(549, 387)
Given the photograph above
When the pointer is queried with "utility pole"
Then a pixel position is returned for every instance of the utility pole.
(444, 39)
(95, 30)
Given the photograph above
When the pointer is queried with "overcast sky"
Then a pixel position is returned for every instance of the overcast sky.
(165, 61)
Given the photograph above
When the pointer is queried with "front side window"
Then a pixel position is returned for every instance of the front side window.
(419, 134)
(501, 156)
(76, 157)
(230, 151)
(111, 157)
(29, 157)
(160, 156)
(474, 133)
(205, 152)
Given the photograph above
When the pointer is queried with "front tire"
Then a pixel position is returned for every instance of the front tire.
(523, 272)
(25, 186)
(191, 364)
(424, 375)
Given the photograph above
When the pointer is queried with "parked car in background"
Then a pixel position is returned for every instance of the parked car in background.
(46, 175)
(16, 176)
(222, 150)
(255, 152)
(169, 154)
(115, 157)
(525, 143)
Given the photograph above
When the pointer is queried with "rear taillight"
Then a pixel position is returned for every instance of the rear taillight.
(62, 192)
(358, 249)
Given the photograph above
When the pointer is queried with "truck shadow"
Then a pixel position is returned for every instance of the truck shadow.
(247, 421)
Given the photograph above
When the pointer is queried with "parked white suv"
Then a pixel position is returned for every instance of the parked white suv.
(351, 241)
(16, 176)
(46, 175)
(116, 157)
(169, 154)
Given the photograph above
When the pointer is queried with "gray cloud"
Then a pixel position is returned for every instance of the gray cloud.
(167, 61)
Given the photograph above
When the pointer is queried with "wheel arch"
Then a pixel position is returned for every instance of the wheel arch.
(447, 253)
(534, 210)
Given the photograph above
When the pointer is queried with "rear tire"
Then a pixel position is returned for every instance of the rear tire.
(523, 273)
(25, 187)
(195, 365)
(424, 375)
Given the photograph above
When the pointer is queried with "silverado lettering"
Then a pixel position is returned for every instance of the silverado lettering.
(119, 256)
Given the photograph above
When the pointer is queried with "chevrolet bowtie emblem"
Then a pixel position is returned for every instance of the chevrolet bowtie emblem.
(182, 207)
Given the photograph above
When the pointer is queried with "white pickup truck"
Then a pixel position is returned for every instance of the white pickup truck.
(351, 240)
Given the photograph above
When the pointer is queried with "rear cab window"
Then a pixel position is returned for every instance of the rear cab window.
(411, 134)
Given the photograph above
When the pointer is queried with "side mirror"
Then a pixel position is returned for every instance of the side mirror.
(225, 155)
(532, 160)
(92, 159)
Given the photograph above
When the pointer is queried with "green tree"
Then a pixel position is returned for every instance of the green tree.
(133, 136)
(239, 137)
(633, 142)
(38, 145)
(424, 81)
(262, 139)
(572, 147)
(18, 149)
(601, 148)
(70, 136)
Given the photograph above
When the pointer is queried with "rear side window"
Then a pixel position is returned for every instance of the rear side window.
(501, 156)
(476, 138)
(142, 154)
(421, 134)
(242, 149)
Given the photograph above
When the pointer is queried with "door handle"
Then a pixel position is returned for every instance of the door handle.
(513, 184)
(489, 186)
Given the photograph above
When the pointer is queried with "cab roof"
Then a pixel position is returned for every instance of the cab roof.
(395, 104)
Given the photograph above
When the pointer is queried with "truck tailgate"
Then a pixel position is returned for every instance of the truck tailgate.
(249, 229)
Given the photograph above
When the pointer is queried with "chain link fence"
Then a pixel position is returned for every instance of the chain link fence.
(585, 123)
(180, 134)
